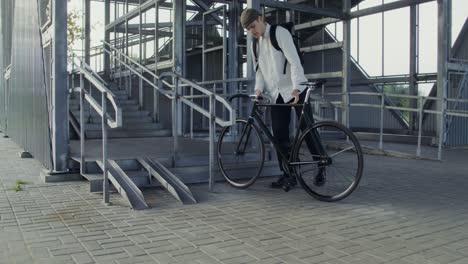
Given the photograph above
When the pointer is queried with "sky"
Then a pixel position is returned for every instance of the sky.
(369, 43)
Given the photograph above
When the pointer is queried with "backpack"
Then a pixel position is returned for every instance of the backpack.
(289, 26)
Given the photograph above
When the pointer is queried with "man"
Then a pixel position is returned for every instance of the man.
(280, 82)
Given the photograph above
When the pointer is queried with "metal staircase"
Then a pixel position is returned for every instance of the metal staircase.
(136, 122)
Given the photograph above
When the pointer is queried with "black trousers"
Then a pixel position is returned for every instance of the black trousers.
(280, 120)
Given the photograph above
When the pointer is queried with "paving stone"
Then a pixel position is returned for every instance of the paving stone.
(405, 214)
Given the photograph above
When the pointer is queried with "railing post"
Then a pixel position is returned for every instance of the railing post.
(382, 106)
(212, 141)
(175, 120)
(155, 102)
(105, 184)
(191, 114)
(420, 123)
(442, 128)
(82, 128)
(336, 113)
(140, 90)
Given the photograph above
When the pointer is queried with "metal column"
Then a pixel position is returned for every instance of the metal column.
(443, 45)
(59, 92)
(413, 90)
(179, 57)
(346, 64)
(87, 31)
(140, 57)
(235, 8)
(106, 34)
(250, 61)
(156, 61)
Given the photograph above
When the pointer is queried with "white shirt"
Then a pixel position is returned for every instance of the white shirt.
(269, 78)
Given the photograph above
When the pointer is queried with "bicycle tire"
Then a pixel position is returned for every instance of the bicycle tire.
(224, 149)
(318, 168)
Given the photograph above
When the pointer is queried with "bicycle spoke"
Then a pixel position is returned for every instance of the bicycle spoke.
(341, 170)
(339, 152)
(240, 155)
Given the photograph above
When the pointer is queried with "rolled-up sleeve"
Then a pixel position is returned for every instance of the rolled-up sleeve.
(259, 81)
(285, 42)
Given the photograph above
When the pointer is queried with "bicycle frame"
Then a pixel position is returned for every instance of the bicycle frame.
(304, 117)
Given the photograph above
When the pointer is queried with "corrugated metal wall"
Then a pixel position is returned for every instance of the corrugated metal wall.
(28, 117)
(458, 133)
(6, 22)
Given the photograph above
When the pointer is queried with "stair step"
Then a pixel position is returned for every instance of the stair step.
(125, 114)
(135, 107)
(121, 102)
(95, 181)
(126, 121)
(96, 134)
(136, 126)
(137, 174)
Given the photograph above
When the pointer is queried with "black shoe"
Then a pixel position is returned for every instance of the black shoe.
(289, 183)
(319, 179)
(280, 182)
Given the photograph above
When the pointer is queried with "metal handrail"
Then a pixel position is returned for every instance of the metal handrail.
(170, 93)
(444, 113)
(173, 95)
(112, 122)
(208, 93)
(88, 68)
(80, 67)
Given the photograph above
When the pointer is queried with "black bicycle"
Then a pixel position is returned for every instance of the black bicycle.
(329, 172)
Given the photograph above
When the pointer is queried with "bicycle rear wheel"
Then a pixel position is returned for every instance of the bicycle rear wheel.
(334, 172)
(241, 154)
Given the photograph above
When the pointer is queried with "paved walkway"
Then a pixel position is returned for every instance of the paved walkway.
(408, 211)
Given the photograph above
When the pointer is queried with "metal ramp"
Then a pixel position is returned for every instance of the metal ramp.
(168, 180)
(128, 176)
(125, 186)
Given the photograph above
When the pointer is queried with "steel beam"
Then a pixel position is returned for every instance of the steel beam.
(87, 30)
(235, 9)
(178, 56)
(443, 48)
(327, 46)
(458, 66)
(326, 12)
(413, 90)
(106, 35)
(205, 8)
(59, 92)
(250, 60)
(346, 85)
(132, 14)
(315, 23)
(386, 7)
(136, 31)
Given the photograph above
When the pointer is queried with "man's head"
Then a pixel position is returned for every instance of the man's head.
(253, 22)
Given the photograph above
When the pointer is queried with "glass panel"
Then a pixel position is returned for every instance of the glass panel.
(428, 37)
(370, 44)
(397, 42)
(459, 15)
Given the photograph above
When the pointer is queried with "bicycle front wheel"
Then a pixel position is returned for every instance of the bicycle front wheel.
(328, 161)
(241, 154)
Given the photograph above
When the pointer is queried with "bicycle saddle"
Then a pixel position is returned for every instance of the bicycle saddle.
(315, 83)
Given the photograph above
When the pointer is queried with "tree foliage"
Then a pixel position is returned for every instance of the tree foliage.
(74, 29)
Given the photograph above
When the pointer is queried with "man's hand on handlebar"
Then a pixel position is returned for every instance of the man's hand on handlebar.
(259, 95)
(295, 94)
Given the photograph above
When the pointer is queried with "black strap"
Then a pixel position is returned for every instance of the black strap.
(255, 52)
(275, 44)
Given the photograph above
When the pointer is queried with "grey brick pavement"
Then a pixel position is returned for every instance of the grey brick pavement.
(407, 212)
